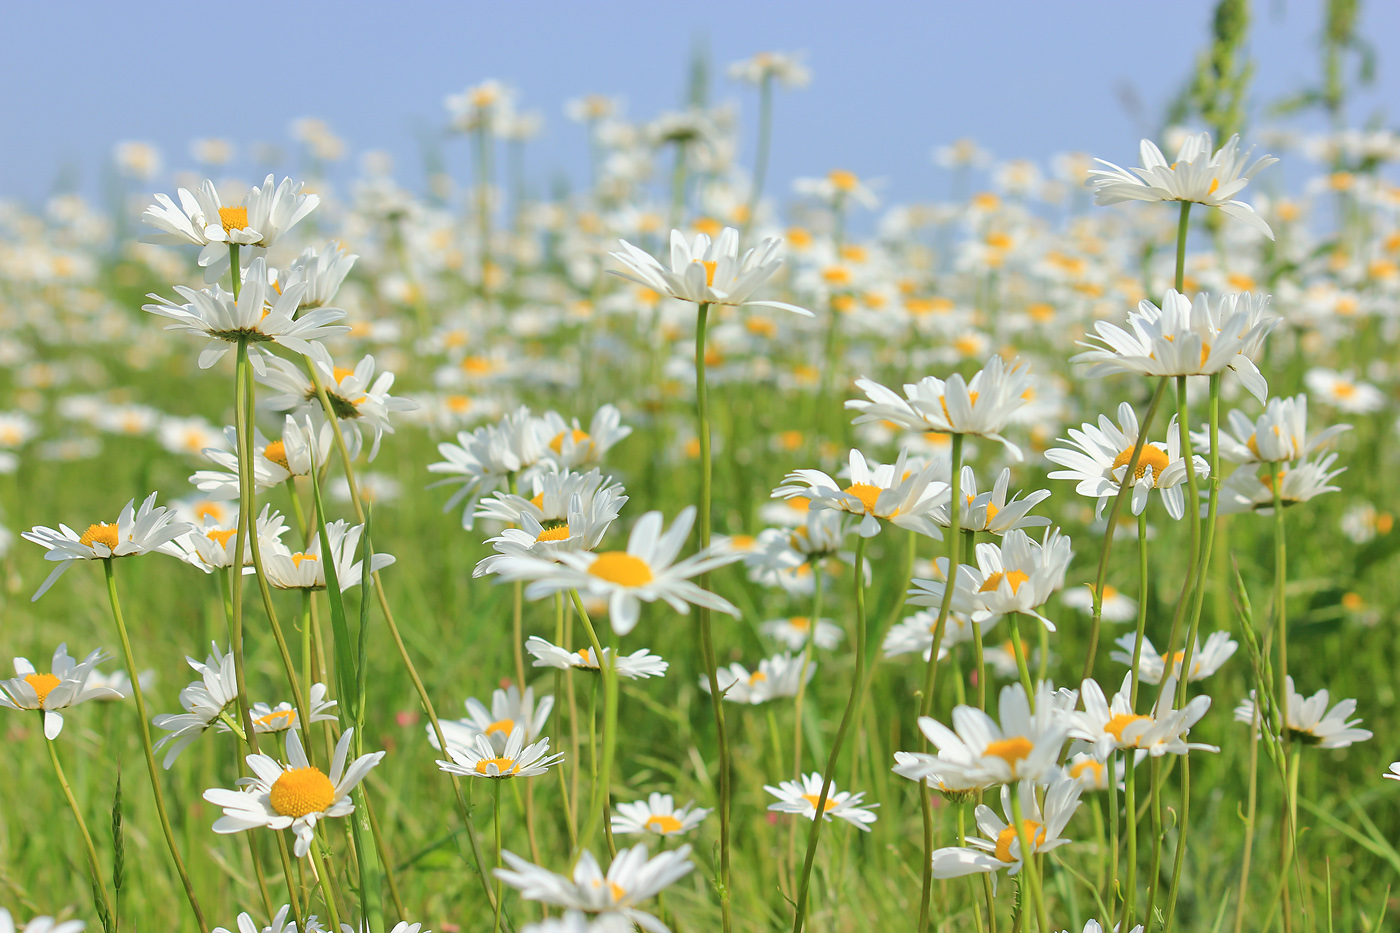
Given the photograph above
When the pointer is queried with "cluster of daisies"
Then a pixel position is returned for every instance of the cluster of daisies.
(1025, 319)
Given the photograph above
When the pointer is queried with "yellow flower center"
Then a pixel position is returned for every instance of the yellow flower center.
(1015, 577)
(43, 684)
(813, 798)
(1214, 184)
(298, 557)
(220, 536)
(577, 436)
(300, 791)
(709, 265)
(233, 218)
(621, 568)
(340, 372)
(1010, 750)
(100, 533)
(586, 657)
(503, 765)
(663, 823)
(801, 623)
(1034, 832)
(503, 726)
(1119, 722)
(557, 533)
(866, 493)
(277, 719)
(277, 453)
(843, 180)
(757, 677)
(1151, 456)
(1089, 764)
(943, 400)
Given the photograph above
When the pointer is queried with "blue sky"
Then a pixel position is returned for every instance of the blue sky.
(891, 80)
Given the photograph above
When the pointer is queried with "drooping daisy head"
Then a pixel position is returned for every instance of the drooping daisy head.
(64, 684)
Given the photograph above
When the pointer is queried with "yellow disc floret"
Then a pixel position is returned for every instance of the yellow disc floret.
(1151, 456)
(43, 684)
(233, 218)
(621, 568)
(300, 791)
(100, 533)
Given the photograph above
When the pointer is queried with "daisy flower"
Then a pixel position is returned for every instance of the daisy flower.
(136, 531)
(706, 272)
(212, 544)
(904, 497)
(281, 923)
(1344, 391)
(658, 814)
(1109, 725)
(201, 218)
(572, 447)
(787, 557)
(632, 878)
(982, 405)
(793, 632)
(1099, 461)
(1093, 774)
(1019, 576)
(482, 459)
(1185, 338)
(638, 665)
(64, 684)
(777, 677)
(204, 701)
(294, 796)
(801, 797)
(509, 709)
(321, 272)
(1152, 667)
(569, 512)
(258, 315)
(1394, 772)
(915, 633)
(39, 925)
(990, 511)
(1246, 491)
(1310, 721)
(837, 187)
(1116, 607)
(1279, 435)
(921, 766)
(359, 397)
(645, 572)
(785, 68)
(980, 750)
(481, 758)
(283, 716)
(576, 921)
(1000, 845)
(305, 570)
(1196, 174)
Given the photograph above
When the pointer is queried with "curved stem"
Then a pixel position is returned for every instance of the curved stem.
(94, 866)
(1018, 648)
(145, 722)
(496, 795)
(1142, 605)
(819, 816)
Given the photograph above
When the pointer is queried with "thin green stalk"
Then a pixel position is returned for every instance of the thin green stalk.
(245, 524)
(1125, 921)
(1155, 807)
(99, 887)
(1242, 899)
(979, 659)
(834, 756)
(1280, 583)
(1142, 605)
(1183, 227)
(323, 877)
(517, 610)
(1113, 835)
(1030, 870)
(931, 672)
(1192, 517)
(607, 669)
(496, 807)
(463, 807)
(797, 707)
(707, 644)
(145, 722)
(1114, 511)
(1018, 648)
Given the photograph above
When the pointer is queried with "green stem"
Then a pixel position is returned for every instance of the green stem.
(1142, 605)
(1155, 806)
(496, 794)
(1018, 648)
(1113, 834)
(707, 644)
(1183, 227)
(1114, 511)
(99, 888)
(931, 672)
(819, 816)
(607, 669)
(797, 707)
(1030, 870)
(1130, 817)
(765, 132)
(145, 722)
(323, 877)
(1280, 583)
